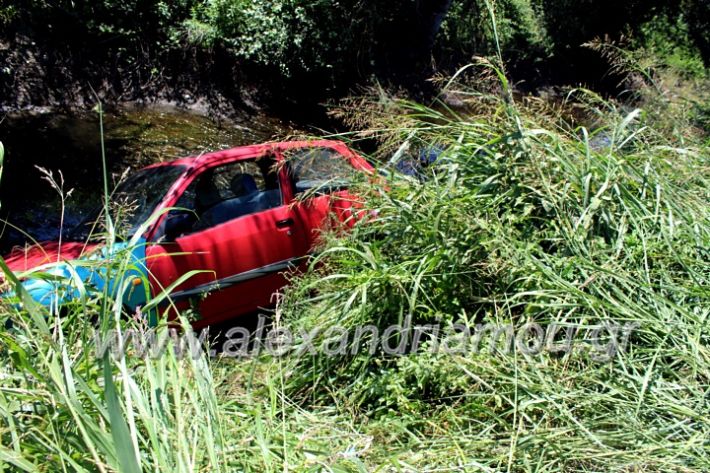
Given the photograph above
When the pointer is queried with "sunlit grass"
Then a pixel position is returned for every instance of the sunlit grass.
(522, 222)
(524, 217)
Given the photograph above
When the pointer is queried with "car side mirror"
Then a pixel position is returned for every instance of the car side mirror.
(178, 223)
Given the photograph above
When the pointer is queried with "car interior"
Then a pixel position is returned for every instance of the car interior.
(230, 191)
(246, 199)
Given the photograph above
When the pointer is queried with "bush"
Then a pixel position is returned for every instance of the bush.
(667, 40)
(466, 32)
(524, 219)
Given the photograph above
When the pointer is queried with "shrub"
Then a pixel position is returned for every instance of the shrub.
(524, 219)
(466, 32)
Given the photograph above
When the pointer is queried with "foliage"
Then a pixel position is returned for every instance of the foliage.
(664, 76)
(522, 32)
(299, 36)
(696, 13)
(671, 45)
(108, 21)
(282, 34)
(332, 45)
(524, 218)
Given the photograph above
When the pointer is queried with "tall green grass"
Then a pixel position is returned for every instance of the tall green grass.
(524, 218)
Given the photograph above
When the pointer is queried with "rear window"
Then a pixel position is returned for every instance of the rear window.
(319, 169)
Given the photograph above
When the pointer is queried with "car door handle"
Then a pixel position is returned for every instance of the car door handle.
(287, 222)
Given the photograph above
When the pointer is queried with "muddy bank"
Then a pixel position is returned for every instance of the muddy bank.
(37, 76)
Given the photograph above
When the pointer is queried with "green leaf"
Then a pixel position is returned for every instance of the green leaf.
(127, 458)
(13, 458)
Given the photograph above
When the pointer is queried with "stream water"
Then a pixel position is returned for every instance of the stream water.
(71, 143)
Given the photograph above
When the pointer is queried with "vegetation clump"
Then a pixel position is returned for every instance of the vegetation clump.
(579, 216)
(525, 219)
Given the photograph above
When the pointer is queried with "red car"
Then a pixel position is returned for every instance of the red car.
(243, 215)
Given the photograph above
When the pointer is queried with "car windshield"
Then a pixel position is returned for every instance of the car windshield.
(133, 201)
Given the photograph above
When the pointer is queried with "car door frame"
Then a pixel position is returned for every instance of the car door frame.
(186, 180)
(337, 204)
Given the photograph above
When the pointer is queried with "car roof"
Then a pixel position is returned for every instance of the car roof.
(245, 152)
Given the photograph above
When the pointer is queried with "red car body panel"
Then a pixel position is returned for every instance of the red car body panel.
(24, 259)
(274, 239)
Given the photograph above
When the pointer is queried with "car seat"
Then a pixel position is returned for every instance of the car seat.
(244, 188)
(243, 185)
(206, 193)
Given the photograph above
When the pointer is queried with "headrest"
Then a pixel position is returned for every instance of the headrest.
(206, 193)
(243, 184)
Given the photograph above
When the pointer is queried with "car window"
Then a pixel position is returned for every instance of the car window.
(318, 169)
(133, 201)
(231, 191)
